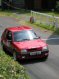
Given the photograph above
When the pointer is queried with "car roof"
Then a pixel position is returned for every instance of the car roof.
(19, 28)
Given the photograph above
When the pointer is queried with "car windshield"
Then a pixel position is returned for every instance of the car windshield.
(25, 35)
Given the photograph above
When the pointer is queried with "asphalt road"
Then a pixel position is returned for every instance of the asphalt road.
(7, 22)
(37, 69)
(48, 69)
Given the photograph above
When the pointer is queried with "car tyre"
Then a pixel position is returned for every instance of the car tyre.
(4, 49)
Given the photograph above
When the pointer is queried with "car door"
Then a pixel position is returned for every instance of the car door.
(9, 40)
(6, 40)
(3, 38)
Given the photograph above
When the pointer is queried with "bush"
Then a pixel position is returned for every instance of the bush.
(57, 30)
(57, 6)
(10, 69)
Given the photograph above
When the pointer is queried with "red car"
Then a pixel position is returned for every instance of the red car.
(23, 43)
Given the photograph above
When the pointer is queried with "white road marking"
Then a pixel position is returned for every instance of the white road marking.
(51, 39)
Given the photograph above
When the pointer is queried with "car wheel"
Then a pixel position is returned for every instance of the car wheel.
(2, 46)
(4, 49)
(14, 56)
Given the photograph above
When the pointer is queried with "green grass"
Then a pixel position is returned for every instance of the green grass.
(5, 12)
(10, 69)
(14, 13)
(42, 26)
(48, 27)
(9, 13)
(54, 13)
(40, 22)
(57, 31)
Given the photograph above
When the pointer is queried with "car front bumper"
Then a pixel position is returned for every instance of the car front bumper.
(28, 56)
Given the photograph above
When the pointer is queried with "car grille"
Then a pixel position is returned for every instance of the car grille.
(34, 49)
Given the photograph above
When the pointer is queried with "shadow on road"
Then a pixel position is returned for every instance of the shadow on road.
(53, 39)
(31, 61)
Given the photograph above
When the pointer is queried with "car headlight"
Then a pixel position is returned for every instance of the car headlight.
(45, 48)
(23, 51)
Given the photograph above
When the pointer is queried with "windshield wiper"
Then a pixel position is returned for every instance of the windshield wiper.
(22, 40)
(25, 39)
(36, 38)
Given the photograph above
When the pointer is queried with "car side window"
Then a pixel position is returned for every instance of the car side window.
(9, 35)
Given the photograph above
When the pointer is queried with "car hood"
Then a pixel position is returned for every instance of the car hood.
(30, 44)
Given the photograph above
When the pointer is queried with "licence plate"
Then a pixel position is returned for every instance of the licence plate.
(38, 52)
(35, 53)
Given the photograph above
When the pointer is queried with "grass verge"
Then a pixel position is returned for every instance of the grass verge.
(10, 69)
(14, 13)
(9, 13)
(41, 26)
(48, 27)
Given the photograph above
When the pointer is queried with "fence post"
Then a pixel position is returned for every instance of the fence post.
(47, 20)
(31, 12)
(56, 22)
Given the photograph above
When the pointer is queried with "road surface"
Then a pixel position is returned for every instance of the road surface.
(50, 68)
(40, 70)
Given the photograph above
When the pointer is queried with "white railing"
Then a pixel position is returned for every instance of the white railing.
(45, 18)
